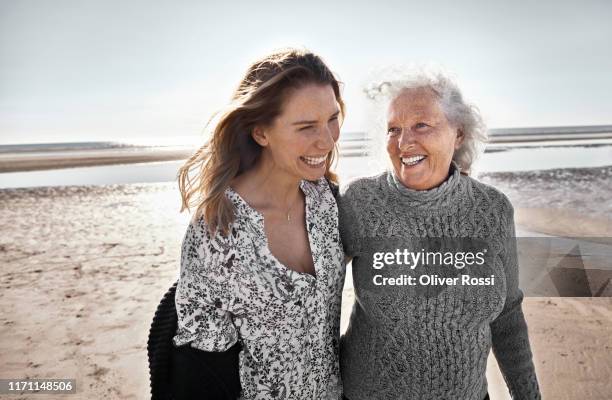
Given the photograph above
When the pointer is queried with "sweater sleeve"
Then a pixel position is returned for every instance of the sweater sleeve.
(349, 222)
(509, 330)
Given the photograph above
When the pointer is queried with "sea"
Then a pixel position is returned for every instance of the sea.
(510, 150)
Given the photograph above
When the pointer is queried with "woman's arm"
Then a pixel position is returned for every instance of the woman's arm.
(335, 189)
(509, 330)
(349, 224)
(205, 357)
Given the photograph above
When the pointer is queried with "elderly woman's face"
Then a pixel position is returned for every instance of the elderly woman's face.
(420, 140)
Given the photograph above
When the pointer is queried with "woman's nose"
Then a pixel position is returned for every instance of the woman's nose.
(326, 139)
(406, 139)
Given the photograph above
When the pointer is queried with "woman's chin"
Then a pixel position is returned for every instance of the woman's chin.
(417, 177)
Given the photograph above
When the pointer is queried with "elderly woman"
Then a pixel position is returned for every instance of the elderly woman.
(408, 339)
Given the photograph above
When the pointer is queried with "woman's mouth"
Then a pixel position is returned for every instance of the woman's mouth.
(314, 161)
(412, 160)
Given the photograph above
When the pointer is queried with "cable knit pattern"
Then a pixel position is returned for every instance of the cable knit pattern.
(399, 346)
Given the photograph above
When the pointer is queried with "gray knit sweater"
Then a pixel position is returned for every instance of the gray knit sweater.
(431, 342)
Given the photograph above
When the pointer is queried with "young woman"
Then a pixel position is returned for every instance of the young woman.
(258, 299)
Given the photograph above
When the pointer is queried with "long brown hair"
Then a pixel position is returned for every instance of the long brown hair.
(231, 149)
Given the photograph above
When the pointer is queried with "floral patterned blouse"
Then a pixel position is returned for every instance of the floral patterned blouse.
(234, 289)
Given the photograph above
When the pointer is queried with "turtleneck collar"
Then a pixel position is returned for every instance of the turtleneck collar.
(427, 195)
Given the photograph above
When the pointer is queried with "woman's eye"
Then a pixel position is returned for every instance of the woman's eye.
(305, 128)
(421, 125)
(393, 131)
(334, 119)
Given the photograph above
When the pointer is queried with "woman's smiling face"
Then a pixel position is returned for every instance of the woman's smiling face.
(420, 140)
(301, 138)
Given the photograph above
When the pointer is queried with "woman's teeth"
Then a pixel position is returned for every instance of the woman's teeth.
(313, 160)
(412, 160)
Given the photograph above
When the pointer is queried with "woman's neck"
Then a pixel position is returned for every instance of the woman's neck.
(266, 186)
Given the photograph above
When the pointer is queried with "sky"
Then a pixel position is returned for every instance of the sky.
(83, 70)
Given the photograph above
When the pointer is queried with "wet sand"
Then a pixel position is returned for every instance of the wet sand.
(562, 202)
(44, 160)
(84, 267)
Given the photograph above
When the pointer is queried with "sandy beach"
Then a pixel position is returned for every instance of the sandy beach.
(84, 267)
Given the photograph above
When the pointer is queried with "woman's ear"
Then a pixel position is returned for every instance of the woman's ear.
(460, 139)
(259, 136)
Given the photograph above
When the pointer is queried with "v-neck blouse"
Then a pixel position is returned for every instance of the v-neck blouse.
(232, 288)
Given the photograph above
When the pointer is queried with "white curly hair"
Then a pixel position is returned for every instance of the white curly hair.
(461, 114)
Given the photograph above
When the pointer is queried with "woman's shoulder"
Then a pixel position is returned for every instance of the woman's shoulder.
(203, 243)
(364, 186)
(198, 235)
(320, 187)
(484, 192)
(322, 199)
(322, 191)
(199, 228)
